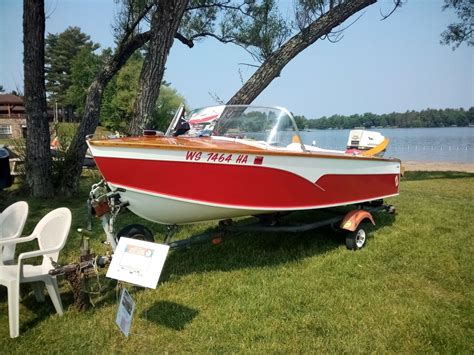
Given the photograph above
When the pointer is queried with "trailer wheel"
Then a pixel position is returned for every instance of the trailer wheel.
(356, 240)
(136, 231)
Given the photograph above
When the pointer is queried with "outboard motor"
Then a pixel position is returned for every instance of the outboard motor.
(6, 180)
(361, 140)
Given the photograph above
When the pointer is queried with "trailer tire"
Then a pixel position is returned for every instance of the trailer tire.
(357, 239)
(136, 231)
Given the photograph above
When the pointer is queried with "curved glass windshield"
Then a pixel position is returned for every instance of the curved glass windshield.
(274, 126)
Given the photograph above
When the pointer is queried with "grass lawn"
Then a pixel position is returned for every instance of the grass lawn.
(5, 141)
(411, 289)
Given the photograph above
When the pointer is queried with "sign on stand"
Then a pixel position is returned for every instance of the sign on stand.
(138, 262)
(125, 312)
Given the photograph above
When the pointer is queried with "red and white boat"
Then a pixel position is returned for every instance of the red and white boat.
(229, 161)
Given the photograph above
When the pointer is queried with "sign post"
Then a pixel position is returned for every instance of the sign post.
(139, 263)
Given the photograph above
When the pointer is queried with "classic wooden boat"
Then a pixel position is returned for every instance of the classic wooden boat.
(230, 161)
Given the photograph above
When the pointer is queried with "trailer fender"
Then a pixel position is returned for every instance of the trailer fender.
(353, 218)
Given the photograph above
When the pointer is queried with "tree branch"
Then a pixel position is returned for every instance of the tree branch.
(249, 65)
(225, 40)
(184, 40)
(274, 64)
(397, 4)
(222, 5)
(129, 30)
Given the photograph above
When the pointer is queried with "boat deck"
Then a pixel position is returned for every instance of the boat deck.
(222, 144)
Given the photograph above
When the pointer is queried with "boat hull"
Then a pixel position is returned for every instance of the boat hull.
(178, 186)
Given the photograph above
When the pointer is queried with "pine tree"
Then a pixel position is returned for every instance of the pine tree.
(60, 53)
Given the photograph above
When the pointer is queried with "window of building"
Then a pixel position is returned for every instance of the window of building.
(5, 129)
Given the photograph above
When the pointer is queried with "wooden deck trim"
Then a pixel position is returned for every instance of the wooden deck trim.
(222, 147)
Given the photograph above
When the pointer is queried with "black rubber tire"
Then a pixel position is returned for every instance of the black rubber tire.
(136, 231)
(357, 239)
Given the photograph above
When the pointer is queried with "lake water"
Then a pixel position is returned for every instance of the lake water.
(451, 144)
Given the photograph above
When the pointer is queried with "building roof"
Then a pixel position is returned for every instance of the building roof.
(15, 109)
(9, 99)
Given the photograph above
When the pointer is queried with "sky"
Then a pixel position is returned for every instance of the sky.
(386, 66)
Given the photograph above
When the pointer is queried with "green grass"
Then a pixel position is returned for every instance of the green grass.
(411, 289)
(5, 141)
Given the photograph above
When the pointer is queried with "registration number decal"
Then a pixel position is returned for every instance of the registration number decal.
(217, 157)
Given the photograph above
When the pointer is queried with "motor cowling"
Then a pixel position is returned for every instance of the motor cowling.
(362, 140)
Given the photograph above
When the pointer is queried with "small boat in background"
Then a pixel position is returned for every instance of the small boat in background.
(229, 161)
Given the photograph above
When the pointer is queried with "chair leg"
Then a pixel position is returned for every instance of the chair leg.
(38, 290)
(14, 309)
(53, 290)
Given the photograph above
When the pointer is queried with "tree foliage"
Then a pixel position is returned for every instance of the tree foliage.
(166, 106)
(72, 168)
(120, 95)
(84, 67)
(60, 57)
(260, 30)
(164, 25)
(117, 104)
(462, 31)
(198, 19)
(121, 92)
(255, 25)
(243, 22)
(322, 17)
(425, 118)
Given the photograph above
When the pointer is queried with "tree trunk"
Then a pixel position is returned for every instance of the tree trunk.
(164, 25)
(272, 67)
(38, 154)
(72, 167)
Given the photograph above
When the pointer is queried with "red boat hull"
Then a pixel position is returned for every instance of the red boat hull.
(246, 186)
(183, 180)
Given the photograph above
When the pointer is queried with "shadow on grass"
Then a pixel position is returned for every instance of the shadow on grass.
(169, 314)
(40, 310)
(261, 249)
(238, 251)
(430, 175)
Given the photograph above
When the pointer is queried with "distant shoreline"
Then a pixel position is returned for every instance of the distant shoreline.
(375, 128)
(438, 166)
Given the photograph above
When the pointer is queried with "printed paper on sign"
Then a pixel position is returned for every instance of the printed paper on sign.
(125, 312)
(138, 262)
(136, 259)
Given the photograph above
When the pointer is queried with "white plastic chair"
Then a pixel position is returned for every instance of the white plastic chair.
(51, 233)
(12, 221)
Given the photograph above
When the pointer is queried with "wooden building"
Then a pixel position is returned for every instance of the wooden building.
(12, 116)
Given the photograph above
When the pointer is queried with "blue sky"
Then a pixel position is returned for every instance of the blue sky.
(379, 66)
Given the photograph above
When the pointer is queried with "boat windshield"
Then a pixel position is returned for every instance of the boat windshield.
(274, 126)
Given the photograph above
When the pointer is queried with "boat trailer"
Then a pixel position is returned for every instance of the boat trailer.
(107, 205)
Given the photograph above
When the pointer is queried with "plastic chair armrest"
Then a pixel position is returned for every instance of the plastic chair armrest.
(33, 254)
(10, 237)
(30, 254)
(10, 241)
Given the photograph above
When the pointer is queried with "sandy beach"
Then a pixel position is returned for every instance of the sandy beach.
(438, 166)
